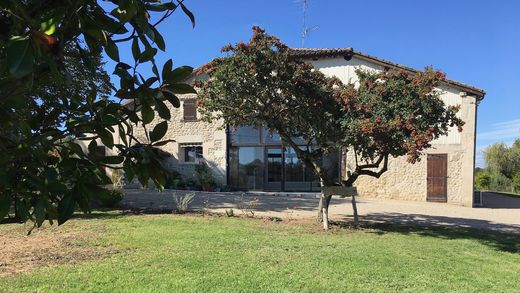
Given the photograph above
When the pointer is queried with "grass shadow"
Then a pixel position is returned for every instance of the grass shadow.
(498, 236)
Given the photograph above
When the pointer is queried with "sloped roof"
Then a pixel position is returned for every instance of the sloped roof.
(348, 53)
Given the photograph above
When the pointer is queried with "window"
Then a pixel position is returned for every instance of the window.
(245, 135)
(190, 110)
(192, 153)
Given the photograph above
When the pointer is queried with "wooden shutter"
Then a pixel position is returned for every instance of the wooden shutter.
(437, 178)
(190, 110)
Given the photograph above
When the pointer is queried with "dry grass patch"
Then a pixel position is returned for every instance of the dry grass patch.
(47, 246)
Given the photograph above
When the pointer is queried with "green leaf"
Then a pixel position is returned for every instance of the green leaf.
(48, 27)
(167, 68)
(39, 211)
(106, 137)
(159, 131)
(182, 88)
(147, 55)
(92, 147)
(5, 205)
(149, 32)
(136, 52)
(147, 114)
(160, 7)
(188, 13)
(163, 110)
(122, 134)
(66, 207)
(179, 74)
(112, 50)
(172, 98)
(158, 39)
(112, 160)
(20, 58)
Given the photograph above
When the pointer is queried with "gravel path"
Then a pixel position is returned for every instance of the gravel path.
(505, 218)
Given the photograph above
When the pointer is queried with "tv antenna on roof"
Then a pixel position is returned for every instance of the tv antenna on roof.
(306, 30)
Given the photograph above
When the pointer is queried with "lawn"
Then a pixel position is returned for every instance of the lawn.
(171, 253)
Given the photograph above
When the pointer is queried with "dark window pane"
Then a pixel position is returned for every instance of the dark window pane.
(247, 167)
(246, 134)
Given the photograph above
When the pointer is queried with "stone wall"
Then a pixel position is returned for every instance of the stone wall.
(210, 135)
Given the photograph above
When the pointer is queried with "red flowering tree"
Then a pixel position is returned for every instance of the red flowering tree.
(387, 114)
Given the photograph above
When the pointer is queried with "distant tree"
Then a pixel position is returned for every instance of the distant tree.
(516, 183)
(502, 159)
(54, 93)
(389, 114)
(482, 180)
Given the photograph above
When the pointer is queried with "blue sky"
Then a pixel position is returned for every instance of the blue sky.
(474, 42)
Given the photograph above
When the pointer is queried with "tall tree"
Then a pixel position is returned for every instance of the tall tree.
(504, 160)
(389, 114)
(54, 94)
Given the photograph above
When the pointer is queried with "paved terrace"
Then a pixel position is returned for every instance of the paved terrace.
(503, 213)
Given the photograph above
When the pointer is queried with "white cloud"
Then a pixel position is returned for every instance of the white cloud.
(502, 131)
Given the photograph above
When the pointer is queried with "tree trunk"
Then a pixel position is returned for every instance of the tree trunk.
(325, 210)
(319, 217)
(354, 205)
(354, 209)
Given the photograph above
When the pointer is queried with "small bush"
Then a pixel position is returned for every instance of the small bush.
(182, 202)
(230, 213)
(205, 177)
(275, 219)
(111, 198)
(173, 180)
(482, 180)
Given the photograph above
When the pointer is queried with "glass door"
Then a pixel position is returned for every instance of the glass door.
(274, 168)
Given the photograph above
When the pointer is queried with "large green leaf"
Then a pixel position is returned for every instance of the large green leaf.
(48, 27)
(167, 69)
(147, 114)
(178, 74)
(182, 88)
(172, 98)
(163, 110)
(159, 131)
(39, 211)
(136, 52)
(188, 13)
(20, 58)
(66, 207)
(112, 50)
(106, 137)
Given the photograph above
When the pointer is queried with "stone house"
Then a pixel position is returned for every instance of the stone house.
(255, 159)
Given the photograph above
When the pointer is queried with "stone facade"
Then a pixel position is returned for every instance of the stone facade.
(211, 136)
(402, 180)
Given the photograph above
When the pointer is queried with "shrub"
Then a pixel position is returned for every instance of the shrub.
(205, 177)
(516, 182)
(111, 198)
(482, 180)
(173, 180)
(182, 202)
(230, 213)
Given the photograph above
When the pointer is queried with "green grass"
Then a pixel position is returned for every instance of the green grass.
(168, 253)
